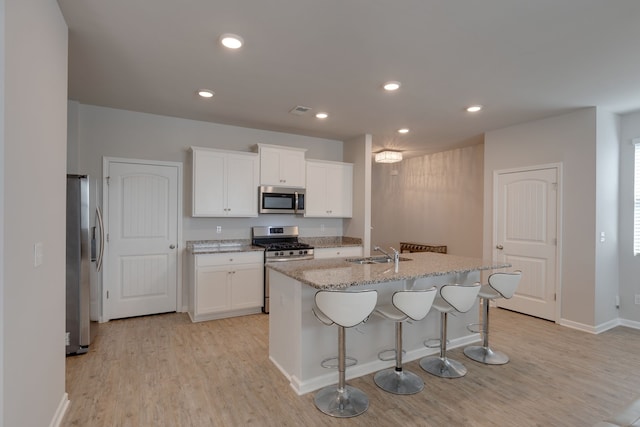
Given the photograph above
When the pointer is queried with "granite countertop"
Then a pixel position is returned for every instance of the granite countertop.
(338, 273)
(331, 241)
(198, 247)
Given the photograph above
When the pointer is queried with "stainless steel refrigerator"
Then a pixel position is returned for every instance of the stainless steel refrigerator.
(81, 329)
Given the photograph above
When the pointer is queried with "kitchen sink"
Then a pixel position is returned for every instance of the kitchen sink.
(374, 260)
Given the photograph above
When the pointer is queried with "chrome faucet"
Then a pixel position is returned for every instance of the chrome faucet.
(395, 258)
(379, 249)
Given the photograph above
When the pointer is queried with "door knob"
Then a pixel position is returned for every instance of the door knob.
(499, 247)
(172, 246)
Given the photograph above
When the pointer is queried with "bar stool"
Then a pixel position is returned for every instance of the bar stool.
(405, 305)
(345, 309)
(501, 285)
(452, 297)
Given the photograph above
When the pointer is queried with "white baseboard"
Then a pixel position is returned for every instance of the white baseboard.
(588, 328)
(62, 409)
(630, 323)
(599, 328)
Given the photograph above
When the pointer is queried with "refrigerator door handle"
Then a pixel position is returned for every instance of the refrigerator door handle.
(101, 225)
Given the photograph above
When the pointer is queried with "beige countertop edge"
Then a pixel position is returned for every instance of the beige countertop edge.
(346, 274)
(226, 249)
(337, 245)
(331, 241)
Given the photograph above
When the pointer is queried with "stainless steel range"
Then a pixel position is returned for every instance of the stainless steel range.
(281, 244)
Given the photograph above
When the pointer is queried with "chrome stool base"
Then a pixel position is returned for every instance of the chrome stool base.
(345, 403)
(485, 355)
(398, 382)
(443, 367)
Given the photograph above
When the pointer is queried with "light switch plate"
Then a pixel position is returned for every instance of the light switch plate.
(38, 254)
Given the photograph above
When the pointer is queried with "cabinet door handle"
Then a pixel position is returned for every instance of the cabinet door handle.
(499, 247)
(172, 246)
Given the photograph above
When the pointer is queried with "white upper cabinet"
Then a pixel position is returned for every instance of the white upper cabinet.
(329, 189)
(225, 183)
(281, 166)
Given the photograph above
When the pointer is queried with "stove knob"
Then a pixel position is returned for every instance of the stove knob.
(300, 252)
(305, 252)
(290, 252)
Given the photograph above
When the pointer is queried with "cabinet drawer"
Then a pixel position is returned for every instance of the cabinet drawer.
(230, 258)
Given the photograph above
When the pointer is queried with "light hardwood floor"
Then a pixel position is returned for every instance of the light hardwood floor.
(166, 371)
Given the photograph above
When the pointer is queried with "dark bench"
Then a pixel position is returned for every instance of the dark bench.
(419, 247)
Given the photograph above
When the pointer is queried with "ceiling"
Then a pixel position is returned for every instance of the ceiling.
(522, 59)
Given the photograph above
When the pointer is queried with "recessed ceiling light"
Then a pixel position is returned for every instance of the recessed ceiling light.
(474, 108)
(391, 86)
(205, 93)
(403, 130)
(231, 41)
(321, 115)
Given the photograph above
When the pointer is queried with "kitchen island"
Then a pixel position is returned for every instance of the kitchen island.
(298, 342)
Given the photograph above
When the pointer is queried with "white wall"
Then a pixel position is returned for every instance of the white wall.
(629, 265)
(571, 140)
(433, 199)
(34, 133)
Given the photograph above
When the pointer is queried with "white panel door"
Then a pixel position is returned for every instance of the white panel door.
(526, 232)
(142, 239)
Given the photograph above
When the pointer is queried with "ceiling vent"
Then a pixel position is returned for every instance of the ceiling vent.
(299, 110)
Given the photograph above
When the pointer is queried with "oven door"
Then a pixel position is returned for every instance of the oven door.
(282, 200)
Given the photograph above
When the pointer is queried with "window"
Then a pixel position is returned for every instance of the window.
(636, 199)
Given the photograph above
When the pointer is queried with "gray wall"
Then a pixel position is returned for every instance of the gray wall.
(432, 199)
(34, 117)
(358, 152)
(118, 133)
(607, 209)
(569, 139)
(629, 264)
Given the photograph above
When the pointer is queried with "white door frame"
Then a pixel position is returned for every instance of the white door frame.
(559, 221)
(106, 161)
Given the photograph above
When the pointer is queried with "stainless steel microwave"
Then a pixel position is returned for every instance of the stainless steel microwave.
(282, 200)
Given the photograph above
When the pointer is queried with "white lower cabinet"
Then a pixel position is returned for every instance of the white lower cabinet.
(226, 285)
(339, 252)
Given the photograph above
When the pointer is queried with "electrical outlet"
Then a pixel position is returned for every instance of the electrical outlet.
(67, 338)
(219, 229)
(637, 299)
